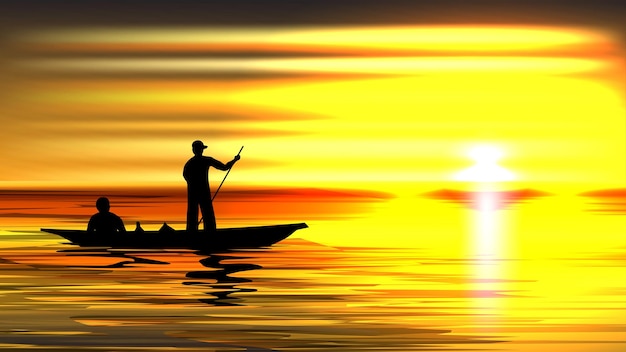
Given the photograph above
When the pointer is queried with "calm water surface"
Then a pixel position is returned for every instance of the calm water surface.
(301, 295)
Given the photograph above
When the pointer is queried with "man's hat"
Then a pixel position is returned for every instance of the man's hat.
(198, 144)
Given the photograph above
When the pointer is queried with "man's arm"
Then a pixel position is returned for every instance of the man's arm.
(90, 225)
(120, 225)
(221, 166)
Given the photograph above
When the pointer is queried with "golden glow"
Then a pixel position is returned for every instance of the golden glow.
(391, 110)
(552, 97)
(486, 168)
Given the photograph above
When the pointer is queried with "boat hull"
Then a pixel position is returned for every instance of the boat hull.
(227, 238)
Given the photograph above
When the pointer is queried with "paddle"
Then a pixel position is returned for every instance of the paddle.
(224, 179)
(220, 186)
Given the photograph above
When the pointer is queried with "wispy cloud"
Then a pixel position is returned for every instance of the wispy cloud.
(471, 198)
(154, 205)
(607, 201)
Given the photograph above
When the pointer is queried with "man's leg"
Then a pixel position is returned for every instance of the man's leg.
(208, 215)
(192, 213)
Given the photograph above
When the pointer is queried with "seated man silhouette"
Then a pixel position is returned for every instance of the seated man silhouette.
(104, 221)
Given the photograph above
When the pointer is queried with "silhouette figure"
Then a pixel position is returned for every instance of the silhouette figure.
(104, 221)
(196, 173)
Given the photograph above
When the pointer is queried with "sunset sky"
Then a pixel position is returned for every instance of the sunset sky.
(318, 95)
(460, 166)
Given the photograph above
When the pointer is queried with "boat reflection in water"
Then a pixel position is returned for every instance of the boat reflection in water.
(218, 280)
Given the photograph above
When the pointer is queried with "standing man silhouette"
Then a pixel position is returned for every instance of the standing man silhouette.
(196, 173)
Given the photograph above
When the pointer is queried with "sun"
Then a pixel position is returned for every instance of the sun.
(486, 168)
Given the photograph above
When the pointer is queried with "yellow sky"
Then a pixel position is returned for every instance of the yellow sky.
(314, 105)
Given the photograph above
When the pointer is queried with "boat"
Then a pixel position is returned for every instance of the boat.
(224, 239)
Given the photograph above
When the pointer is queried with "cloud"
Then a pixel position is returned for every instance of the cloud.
(234, 193)
(607, 201)
(305, 194)
(470, 199)
(153, 205)
(181, 114)
(172, 129)
(614, 193)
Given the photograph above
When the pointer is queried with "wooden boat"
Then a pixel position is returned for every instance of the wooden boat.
(226, 238)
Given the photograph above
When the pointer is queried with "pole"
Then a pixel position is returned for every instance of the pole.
(220, 186)
(224, 179)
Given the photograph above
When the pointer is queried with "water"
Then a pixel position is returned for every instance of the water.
(310, 293)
